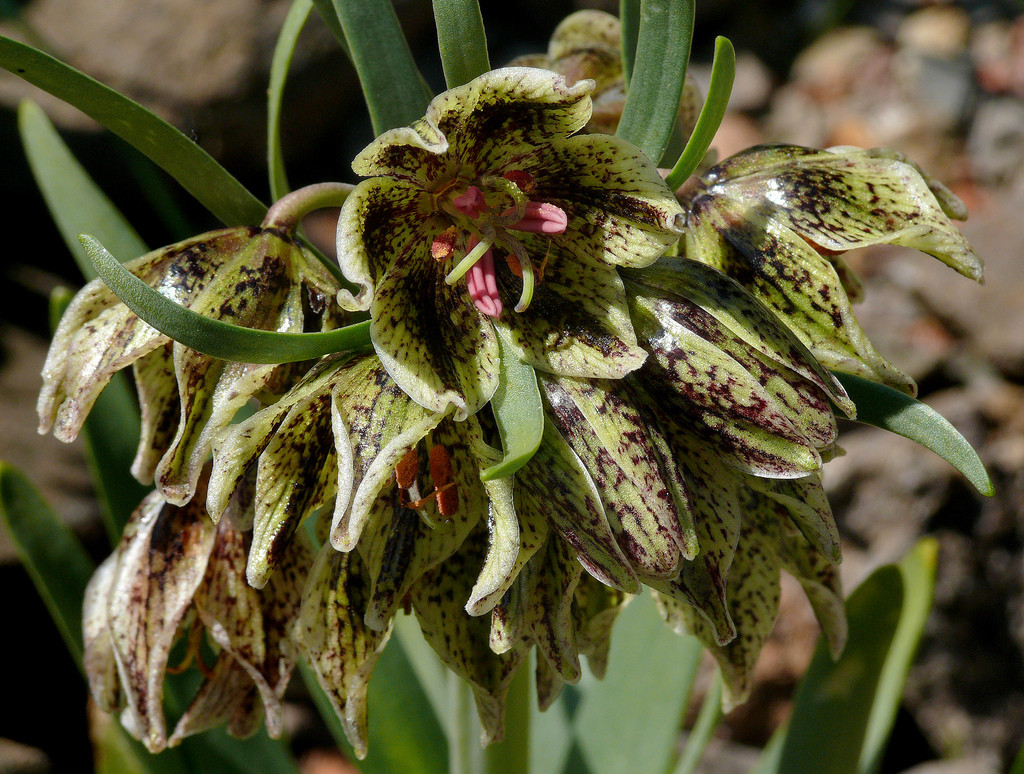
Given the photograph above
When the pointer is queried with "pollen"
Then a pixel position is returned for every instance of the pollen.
(407, 469)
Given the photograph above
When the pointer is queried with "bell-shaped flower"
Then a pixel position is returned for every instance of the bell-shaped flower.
(494, 185)
(177, 575)
(254, 277)
(777, 218)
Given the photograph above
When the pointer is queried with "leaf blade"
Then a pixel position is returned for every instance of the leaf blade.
(284, 49)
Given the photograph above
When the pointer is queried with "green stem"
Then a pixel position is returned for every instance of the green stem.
(460, 726)
(707, 721)
(286, 212)
(512, 756)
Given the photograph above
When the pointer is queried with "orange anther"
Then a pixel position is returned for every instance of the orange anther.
(522, 180)
(407, 469)
(444, 481)
(444, 244)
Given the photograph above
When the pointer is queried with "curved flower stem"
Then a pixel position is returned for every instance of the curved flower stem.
(286, 212)
(513, 754)
(708, 718)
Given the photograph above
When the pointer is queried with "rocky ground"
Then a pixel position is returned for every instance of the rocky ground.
(942, 83)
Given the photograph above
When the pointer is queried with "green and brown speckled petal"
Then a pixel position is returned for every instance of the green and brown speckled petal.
(619, 208)
(578, 322)
(609, 435)
(382, 221)
(98, 657)
(556, 483)
(378, 423)
(753, 593)
(228, 696)
(721, 399)
(157, 389)
(724, 303)
(335, 641)
(461, 640)
(432, 339)
(801, 286)
(399, 545)
(161, 562)
(806, 505)
(595, 610)
(844, 198)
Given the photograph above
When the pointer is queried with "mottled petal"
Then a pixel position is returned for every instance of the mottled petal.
(339, 647)
(595, 610)
(609, 435)
(461, 640)
(805, 503)
(432, 339)
(160, 407)
(228, 696)
(160, 567)
(98, 657)
(556, 483)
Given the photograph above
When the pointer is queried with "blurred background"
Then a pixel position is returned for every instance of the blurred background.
(941, 82)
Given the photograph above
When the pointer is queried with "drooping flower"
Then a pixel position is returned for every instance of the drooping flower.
(588, 44)
(255, 277)
(177, 575)
(777, 218)
(494, 183)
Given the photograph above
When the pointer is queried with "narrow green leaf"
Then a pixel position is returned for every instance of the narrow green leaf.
(708, 719)
(430, 672)
(898, 413)
(395, 92)
(461, 40)
(404, 732)
(512, 754)
(518, 412)
(171, 150)
(213, 337)
(75, 202)
(56, 561)
(287, 39)
(843, 710)
(642, 697)
(326, 10)
(918, 570)
(723, 72)
(550, 734)
(629, 18)
(656, 85)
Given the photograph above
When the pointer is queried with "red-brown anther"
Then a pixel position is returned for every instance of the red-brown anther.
(523, 180)
(407, 469)
(444, 482)
(444, 244)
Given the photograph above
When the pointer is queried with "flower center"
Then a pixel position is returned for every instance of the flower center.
(488, 212)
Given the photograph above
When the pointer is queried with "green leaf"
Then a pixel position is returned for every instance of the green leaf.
(287, 39)
(56, 561)
(844, 709)
(326, 10)
(708, 719)
(171, 150)
(656, 84)
(918, 570)
(395, 92)
(898, 413)
(518, 412)
(642, 697)
(461, 40)
(629, 18)
(723, 72)
(404, 732)
(213, 337)
(75, 202)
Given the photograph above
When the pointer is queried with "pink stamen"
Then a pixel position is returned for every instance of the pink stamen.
(483, 285)
(471, 203)
(541, 218)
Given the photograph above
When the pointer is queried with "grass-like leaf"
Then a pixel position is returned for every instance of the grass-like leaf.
(287, 39)
(518, 412)
(723, 71)
(461, 40)
(656, 83)
(642, 697)
(843, 710)
(898, 413)
(394, 90)
(55, 559)
(176, 154)
(75, 202)
(213, 337)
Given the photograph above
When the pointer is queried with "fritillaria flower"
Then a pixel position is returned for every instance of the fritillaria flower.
(778, 217)
(255, 277)
(178, 576)
(492, 212)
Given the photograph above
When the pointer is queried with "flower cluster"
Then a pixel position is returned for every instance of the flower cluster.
(688, 410)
